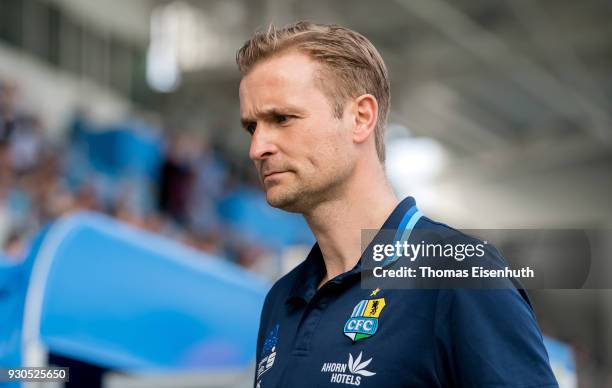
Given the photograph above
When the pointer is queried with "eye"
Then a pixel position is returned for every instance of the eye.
(250, 127)
(281, 119)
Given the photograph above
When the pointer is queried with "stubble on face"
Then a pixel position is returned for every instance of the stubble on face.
(323, 180)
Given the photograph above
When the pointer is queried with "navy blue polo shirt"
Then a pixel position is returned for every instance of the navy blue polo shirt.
(344, 335)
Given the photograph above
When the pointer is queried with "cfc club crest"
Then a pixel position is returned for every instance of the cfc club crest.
(363, 322)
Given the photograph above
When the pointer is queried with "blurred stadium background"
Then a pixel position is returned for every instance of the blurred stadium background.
(501, 118)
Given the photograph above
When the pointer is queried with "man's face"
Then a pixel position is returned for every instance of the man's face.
(303, 154)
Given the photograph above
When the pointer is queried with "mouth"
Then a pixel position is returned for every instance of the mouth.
(273, 174)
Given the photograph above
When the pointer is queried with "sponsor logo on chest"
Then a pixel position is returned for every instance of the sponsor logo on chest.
(350, 373)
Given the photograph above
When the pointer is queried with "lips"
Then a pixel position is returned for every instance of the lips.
(270, 173)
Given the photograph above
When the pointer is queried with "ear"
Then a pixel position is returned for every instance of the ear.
(366, 115)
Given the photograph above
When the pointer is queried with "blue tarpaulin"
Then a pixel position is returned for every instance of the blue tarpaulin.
(127, 299)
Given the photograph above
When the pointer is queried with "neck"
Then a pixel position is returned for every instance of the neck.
(337, 224)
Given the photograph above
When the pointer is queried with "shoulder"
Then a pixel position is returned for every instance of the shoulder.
(435, 231)
(430, 231)
(281, 290)
(275, 301)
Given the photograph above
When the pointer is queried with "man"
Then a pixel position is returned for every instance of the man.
(315, 99)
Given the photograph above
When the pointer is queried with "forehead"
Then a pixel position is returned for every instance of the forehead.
(288, 78)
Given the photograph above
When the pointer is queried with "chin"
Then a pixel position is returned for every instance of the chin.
(288, 200)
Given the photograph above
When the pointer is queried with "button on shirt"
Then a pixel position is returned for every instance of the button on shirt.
(344, 335)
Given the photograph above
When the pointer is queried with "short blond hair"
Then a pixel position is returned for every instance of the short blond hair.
(350, 61)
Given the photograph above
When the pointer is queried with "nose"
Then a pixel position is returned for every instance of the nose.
(262, 144)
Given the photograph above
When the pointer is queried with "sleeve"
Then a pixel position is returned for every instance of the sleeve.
(490, 338)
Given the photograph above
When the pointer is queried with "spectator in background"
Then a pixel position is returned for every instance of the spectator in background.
(176, 178)
(42, 180)
(209, 185)
(25, 144)
(9, 115)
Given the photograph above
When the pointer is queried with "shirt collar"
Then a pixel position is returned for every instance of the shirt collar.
(312, 270)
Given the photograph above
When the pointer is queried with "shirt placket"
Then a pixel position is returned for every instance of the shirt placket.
(313, 313)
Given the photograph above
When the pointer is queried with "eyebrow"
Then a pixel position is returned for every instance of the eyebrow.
(269, 113)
